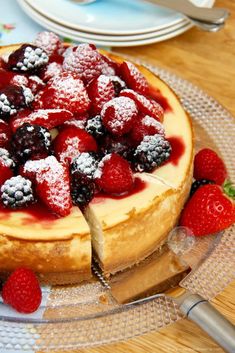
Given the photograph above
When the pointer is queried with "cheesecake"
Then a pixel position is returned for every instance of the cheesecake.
(120, 225)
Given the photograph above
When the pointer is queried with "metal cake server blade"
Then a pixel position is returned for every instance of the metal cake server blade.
(164, 272)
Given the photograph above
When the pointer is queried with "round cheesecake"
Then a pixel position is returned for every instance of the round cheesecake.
(120, 230)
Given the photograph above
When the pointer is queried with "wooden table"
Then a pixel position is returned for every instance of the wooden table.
(207, 60)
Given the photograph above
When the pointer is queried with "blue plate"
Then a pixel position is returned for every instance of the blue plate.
(116, 17)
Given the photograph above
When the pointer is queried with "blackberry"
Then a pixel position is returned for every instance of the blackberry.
(17, 192)
(85, 163)
(12, 98)
(120, 145)
(198, 183)
(31, 142)
(95, 127)
(82, 189)
(151, 153)
(6, 159)
(28, 58)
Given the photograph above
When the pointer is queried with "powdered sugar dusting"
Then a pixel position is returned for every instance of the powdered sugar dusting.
(149, 121)
(49, 42)
(85, 163)
(53, 69)
(72, 149)
(99, 170)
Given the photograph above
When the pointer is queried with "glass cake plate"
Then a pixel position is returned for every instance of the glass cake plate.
(86, 315)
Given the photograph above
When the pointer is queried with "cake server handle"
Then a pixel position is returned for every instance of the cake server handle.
(199, 310)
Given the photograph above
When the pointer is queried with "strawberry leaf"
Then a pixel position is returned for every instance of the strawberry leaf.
(229, 189)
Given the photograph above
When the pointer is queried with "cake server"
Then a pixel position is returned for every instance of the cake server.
(162, 272)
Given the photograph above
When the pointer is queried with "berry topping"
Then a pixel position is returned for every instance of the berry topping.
(82, 189)
(6, 165)
(49, 42)
(118, 115)
(120, 145)
(22, 291)
(114, 175)
(13, 98)
(145, 105)
(198, 183)
(48, 118)
(151, 153)
(31, 142)
(134, 78)
(85, 163)
(118, 84)
(51, 70)
(35, 84)
(95, 127)
(208, 165)
(28, 58)
(65, 91)
(72, 141)
(100, 91)
(86, 61)
(5, 134)
(208, 211)
(6, 159)
(17, 192)
(146, 126)
(52, 184)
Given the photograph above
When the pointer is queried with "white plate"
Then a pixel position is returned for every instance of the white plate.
(65, 32)
(116, 17)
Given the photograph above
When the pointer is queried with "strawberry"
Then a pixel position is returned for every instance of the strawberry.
(22, 291)
(86, 62)
(52, 183)
(64, 91)
(114, 175)
(208, 211)
(146, 126)
(100, 91)
(48, 118)
(118, 115)
(208, 165)
(134, 78)
(71, 141)
(145, 105)
(5, 134)
(49, 42)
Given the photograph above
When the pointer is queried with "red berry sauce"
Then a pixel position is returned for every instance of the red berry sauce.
(178, 149)
(159, 98)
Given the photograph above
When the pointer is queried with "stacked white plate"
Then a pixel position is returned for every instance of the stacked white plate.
(109, 22)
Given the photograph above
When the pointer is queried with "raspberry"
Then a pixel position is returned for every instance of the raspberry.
(110, 67)
(31, 142)
(17, 192)
(134, 78)
(28, 58)
(49, 42)
(13, 98)
(82, 189)
(95, 127)
(72, 141)
(146, 126)
(85, 163)
(22, 291)
(53, 69)
(5, 134)
(52, 184)
(48, 118)
(12, 78)
(114, 175)
(145, 105)
(151, 153)
(118, 115)
(65, 91)
(86, 61)
(208, 165)
(198, 183)
(35, 84)
(100, 91)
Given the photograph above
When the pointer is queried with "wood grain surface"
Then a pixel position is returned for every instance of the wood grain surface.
(207, 60)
